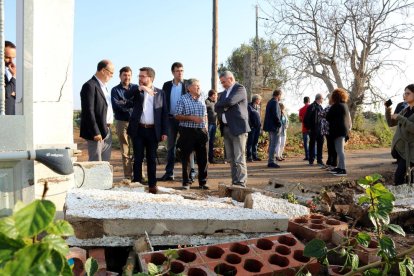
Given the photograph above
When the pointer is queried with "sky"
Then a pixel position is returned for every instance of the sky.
(157, 33)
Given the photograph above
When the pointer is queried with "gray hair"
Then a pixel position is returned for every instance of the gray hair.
(318, 96)
(190, 82)
(256, 97)
(226, 74)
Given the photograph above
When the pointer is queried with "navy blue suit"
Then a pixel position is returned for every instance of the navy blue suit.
(146, 137)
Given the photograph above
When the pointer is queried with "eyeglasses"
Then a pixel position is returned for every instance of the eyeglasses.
(110, 72)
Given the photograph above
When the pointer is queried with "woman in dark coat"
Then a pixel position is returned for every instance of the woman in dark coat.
(339, 121)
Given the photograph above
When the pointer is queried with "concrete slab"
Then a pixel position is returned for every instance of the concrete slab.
(93, 175)
(128, 213)
(258, 201)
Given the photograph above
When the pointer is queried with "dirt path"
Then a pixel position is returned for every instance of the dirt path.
(293, 170)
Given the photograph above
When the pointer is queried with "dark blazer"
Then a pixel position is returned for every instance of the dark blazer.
(273, 116)
(167, 90)
(254, 116)
(94, 109)
(235, 109)
(10, 101)
(160, 111)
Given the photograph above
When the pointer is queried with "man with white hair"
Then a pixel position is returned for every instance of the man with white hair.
(231, 110)
(312, 122)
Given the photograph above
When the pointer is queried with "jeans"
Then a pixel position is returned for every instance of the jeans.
(171, 140)
(305, 137)
(315, 138)
(211, 138)
(274, 139)
(252, 141)
(340, 151)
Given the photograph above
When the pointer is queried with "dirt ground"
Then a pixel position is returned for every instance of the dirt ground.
(293, 170)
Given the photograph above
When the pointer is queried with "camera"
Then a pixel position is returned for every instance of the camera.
(388, 103)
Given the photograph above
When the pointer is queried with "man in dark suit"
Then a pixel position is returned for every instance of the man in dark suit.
(97, 115)
(173, 91)
(272, 124)
(231, 109)
(10, 77)
(148, 124)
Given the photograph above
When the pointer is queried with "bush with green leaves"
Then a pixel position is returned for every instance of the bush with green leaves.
(31, 242)
(378, 203)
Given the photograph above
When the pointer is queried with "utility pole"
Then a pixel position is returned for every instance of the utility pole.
(256, 43)
(214, 63)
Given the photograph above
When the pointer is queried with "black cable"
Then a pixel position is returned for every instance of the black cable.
(84, 173)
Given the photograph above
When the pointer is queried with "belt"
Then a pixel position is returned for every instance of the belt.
(146, 126)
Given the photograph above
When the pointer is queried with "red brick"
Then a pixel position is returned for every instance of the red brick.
(99, 255)
(79, 257)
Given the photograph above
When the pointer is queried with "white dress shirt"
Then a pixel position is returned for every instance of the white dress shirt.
(147, 116)
(109, 112)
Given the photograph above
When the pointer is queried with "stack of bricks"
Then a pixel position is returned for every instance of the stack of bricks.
(282, 254)
(315, 227)
(78, 256)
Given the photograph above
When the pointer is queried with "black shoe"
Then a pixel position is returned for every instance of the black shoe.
(166, 177)
(340, 172)
(305, 159)
(212, 162)
(249, 159)
(321, 164)
(186, 186)
(273, 165)
(239, 184)
(204, 187)
(153, 190)
(335, 170)
(257, 159)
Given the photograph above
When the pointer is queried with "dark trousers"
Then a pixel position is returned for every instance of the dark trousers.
(193, 139)
(332, 156)
(211, 138)
(315, 138)
(305, 137)
(171, 141)
(401, 172)
(145, 140)
(252, 141)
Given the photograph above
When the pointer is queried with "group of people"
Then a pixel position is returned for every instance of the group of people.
(10, 77)
(176, 113)
(333, 123)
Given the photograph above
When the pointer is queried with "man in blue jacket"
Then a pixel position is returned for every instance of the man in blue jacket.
(272, 124)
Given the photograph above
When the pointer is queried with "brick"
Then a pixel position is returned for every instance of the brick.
(79, 258)
(368, 254)
(99, 255)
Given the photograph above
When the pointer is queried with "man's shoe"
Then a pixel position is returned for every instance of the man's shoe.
(153, 190)
(273, 165)
(204, 187)
(239, 184)
(166, 177)
(341, 172)
(305, 159)
(186, 186)
(212, 161)
(249, 159)
(257, 159)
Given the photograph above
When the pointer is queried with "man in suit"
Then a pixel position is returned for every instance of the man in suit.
(10, 77)
(97, 115)
(174, 90)
(148, 124)
(231, 110)
(272, 124)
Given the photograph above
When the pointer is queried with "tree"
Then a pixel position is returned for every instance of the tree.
(343, 43)
(271, 62)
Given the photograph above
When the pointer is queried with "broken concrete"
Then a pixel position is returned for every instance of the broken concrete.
(128, 214)
(93, 175)
(258, 201)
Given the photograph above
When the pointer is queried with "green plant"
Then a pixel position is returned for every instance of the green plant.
(164, 269)
(31, 242)
(290, 197)
(378, 203)
(382, 131)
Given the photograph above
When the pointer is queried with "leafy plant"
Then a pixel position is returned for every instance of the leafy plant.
(31, 241)
(164, 269)
(378, 203)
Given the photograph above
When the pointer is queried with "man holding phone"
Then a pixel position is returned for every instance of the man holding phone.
(10, 77)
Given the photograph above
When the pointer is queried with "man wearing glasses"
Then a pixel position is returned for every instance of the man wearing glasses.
(148, 125)
(97, 115)
(231, 109)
